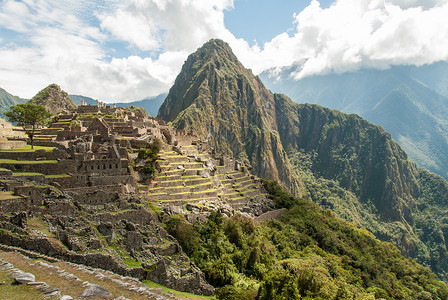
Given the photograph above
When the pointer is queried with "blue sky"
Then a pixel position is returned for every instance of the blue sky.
(263, 20)
(124, 50)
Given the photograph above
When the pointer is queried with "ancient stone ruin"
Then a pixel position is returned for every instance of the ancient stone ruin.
(90, 191)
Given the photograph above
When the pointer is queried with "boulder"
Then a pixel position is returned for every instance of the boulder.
(23, 277)
(94, 290)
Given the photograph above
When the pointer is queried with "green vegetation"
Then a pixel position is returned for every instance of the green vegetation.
(27, 148)
(307, 253)
(176, 294)
(150, 156)
(26, 174)
(12, 291)
(26, 115)
(27, 162)
(7, 100)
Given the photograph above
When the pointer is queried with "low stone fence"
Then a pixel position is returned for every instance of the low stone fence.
(12, 144)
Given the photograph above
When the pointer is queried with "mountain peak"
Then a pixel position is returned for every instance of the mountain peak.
(54, 99)
(225, 104)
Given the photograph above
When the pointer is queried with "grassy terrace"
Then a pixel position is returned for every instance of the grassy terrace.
(26, 174)
(191, 176)
(243, 182)
(27, 148)
(201, 192)
(27, 162)
(7, 195)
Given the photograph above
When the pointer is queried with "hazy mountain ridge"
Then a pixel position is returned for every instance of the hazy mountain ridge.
(150, 104)
(419, 123)
(347, 158)
(7, 100)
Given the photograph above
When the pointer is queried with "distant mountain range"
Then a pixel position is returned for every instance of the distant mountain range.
(7, 100)
(411, 103)
(150, 104)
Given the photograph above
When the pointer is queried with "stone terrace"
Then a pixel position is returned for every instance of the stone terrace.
(194, 178)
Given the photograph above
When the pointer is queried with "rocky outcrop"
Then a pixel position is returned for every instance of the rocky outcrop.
(53, 99)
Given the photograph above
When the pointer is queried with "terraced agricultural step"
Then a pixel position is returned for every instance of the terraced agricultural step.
(192, 195)
(177, 159)
(156, 196)
(236, 174)
(193, 201)
(171, 173)
(196, 181)
(240, 179)
(244, 183)
(189, 172)
(251, 193)
(238, 202)
(168, 177)
(245, 188)
(232, 195)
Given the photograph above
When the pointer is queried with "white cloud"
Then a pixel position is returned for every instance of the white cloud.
(353, 34)
(171, 25)
(66, 41)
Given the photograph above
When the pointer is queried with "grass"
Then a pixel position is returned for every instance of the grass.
(66, 286)
(27, 148)
(176, 294)
(201, 192)
(26, 174)
(27, 162)
(36, 223)
(154, 208)
(132, 263)
(11, 291)
(8, 195)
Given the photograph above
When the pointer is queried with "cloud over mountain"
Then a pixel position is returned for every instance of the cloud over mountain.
(128, 50)
(353, 34)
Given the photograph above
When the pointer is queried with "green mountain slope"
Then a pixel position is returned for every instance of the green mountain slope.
(306, 253)
(7, 100)
(420, 125)
(345, 163)
(53, 99)
(222, 101)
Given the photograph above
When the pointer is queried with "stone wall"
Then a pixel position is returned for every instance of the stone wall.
(12, 144)
(104, 166)
(111, 180)
(15, 205)
(36, 155)
(62, 167)
(140, 217)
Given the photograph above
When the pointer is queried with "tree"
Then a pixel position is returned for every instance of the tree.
(28, 114)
